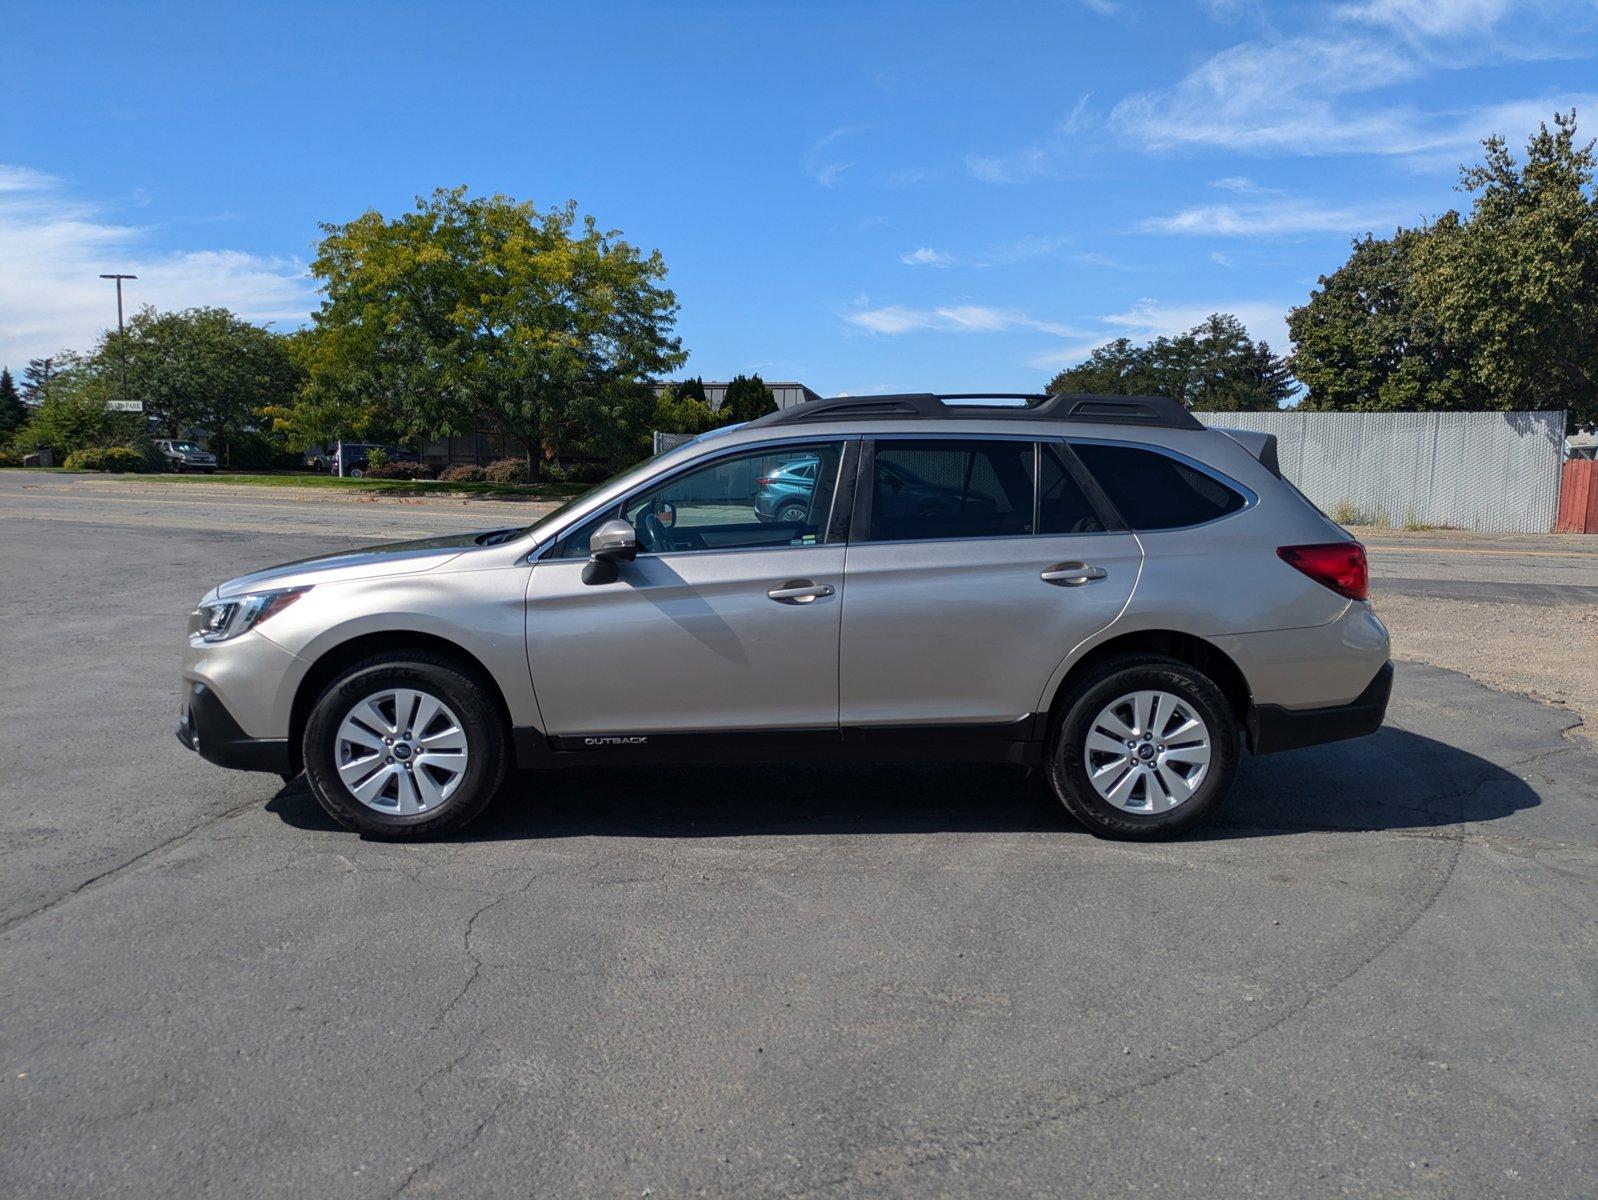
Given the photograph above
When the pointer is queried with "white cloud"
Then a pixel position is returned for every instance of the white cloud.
(54, 246)
(903, 177)
(1149, 319)
(823, 168)
(828, 174)
(1277, 217)
(999, 254)
(893, 320)
(1325, 91)
(1326, 88)
(1429, 18)
(1243, 186)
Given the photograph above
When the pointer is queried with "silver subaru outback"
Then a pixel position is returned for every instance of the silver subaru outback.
(1095, 585)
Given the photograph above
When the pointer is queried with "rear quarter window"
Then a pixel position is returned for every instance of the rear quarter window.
(1156, 491)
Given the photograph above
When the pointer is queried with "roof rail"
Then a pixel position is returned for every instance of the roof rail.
(1158, 411)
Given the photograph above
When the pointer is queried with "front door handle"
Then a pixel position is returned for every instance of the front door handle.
(1072, 574)
(800, 591)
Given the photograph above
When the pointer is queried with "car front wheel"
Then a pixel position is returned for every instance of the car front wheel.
(405, 746)
(1142, 747)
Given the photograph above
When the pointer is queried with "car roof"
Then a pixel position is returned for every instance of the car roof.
(1159, 412)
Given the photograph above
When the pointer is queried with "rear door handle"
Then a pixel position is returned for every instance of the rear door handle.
(1072, 574)
(800, 591)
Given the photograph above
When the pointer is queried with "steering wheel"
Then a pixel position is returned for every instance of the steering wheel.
(652, 532)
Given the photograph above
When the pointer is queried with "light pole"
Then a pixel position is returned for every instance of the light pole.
(122, 345)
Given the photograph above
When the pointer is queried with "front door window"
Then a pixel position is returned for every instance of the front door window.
(761, 499)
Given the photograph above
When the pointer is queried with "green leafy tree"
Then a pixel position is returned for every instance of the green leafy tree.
(328, 406)
(36, 379)
(202, 368)
(695, 388)
(73, 414)
(747, 398)
(1118, 368)
(679, 413)
(617, 422)
(1364, 341)
(13, 412)
(487, 310)
(1213, 366)
(1516, 283)
(1494, 310)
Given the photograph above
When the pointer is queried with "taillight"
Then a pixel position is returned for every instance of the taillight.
(763, 481)
(1340, 566)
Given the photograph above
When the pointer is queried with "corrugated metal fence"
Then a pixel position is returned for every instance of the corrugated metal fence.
(1495, 472)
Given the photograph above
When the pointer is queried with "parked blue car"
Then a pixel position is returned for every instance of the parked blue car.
(784, 494)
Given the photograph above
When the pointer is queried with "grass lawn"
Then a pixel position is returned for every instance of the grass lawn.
(388, 487)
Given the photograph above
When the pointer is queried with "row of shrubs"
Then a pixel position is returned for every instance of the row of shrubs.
(506, 470)
(110, 458)
(514, 470)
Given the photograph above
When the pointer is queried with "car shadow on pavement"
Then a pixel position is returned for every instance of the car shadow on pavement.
(1391, 780)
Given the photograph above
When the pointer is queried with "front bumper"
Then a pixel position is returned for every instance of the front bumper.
(206, 727)
(1272, 727)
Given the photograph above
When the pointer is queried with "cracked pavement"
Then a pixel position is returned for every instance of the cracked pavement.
(1377, 974)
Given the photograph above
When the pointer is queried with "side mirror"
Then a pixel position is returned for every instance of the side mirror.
(613, 542)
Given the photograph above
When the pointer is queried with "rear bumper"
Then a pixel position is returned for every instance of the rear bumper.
(206, 727)
(1272, 727)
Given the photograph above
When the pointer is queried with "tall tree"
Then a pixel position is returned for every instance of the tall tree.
(686, 413)
(1365, 341)
(201, 368)
(1215, 365)
(1517, 282)
(73, 413)
(36, 378)
(746, 398)
(13, 412)
(694, 388)
(488, 310)
(1495, 310)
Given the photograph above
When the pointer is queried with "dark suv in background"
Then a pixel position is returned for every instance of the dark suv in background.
(356, 455)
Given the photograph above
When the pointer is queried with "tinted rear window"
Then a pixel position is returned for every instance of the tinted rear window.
(951, 489)
(1062, 508)
(1155, 491)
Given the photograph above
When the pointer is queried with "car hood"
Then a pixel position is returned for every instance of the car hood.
(389, 558)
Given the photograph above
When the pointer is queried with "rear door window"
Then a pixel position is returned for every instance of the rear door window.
(1062, 505)
(1154, 490)
(924, 488)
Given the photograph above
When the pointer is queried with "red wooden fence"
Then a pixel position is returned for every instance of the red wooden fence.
(1578, 497)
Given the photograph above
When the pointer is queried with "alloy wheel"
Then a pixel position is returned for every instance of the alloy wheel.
(1147, 752)
(401, 751)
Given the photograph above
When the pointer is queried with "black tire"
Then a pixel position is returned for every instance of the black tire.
(792, 514)
(1101, 686)
(462, 690)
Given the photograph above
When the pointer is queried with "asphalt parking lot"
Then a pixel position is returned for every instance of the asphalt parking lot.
(1377, 975)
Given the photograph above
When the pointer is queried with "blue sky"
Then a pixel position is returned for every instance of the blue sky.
(863, 197)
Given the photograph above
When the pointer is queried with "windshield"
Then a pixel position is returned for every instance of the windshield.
(186, 447)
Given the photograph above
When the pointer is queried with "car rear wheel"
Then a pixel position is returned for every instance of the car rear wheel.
(793, 513)
(405, 746)
(1142, 747)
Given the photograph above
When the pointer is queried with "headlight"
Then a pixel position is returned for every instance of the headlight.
(224, 619)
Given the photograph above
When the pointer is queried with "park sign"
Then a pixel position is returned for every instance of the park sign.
(125, 405)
